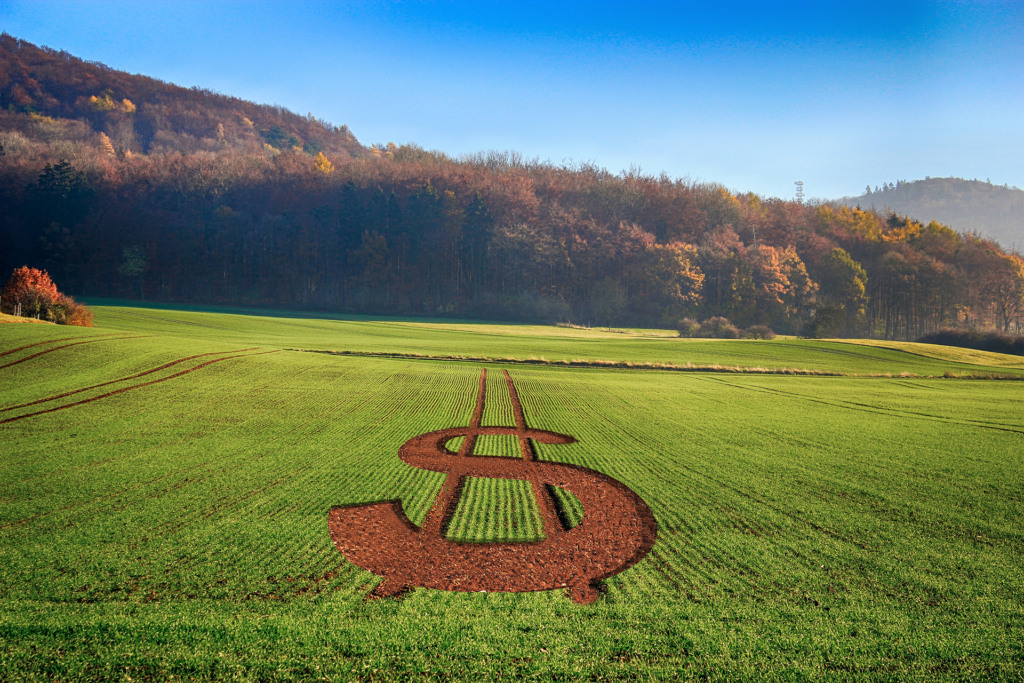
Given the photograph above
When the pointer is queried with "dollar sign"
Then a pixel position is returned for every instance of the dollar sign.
(616, 531)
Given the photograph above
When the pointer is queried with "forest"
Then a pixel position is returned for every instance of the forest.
(124, 186)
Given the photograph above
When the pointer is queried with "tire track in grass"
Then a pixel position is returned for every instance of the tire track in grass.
(122, 379)
(48, 341)
(232, 508)
(137, 386)
(135, 455)
(58, 348)
(141, 455)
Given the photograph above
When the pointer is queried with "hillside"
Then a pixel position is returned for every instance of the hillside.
(76, 101)
(995, 211)
(123, 186)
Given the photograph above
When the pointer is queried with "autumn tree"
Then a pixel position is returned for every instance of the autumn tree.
(29, 290)
(665, 284)
(106, 145)
(322, 164)
(718, 257)
(802, 289)
(1004, 287)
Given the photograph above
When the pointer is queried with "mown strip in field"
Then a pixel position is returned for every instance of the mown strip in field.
(604, 364)
(670, 367)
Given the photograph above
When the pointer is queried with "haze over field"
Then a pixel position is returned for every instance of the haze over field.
(750, 95)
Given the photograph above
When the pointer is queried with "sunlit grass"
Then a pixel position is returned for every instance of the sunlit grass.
(809, 527)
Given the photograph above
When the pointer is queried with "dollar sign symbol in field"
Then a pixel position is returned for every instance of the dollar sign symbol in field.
(616, 531)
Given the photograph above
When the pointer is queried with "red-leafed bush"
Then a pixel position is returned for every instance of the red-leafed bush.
(30, 292)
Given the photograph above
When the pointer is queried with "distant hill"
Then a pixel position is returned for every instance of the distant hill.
(994, 211)
(76, 100)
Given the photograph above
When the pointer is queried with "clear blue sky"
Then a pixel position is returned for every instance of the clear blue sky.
(753, 95)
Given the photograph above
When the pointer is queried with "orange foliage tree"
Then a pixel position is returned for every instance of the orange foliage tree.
(31, 292)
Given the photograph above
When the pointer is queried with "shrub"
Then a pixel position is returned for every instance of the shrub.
(759, 332)
(687, 327)
(32, 292)
(67, 311)
(718, 328)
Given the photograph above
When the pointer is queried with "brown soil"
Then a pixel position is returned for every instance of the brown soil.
(617, 529)
(136, 386)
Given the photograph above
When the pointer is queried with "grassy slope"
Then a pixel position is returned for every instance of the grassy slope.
(807, 526)
(4, 318)
(550, 343)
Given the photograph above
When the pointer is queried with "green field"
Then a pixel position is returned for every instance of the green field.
(165, 480)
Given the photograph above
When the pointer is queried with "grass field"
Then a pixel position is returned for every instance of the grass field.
(165, 480)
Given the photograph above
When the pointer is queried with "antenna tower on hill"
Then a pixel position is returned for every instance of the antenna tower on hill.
(799, 191)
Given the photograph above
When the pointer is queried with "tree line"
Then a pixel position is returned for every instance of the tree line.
(268, 213)
(428, 235)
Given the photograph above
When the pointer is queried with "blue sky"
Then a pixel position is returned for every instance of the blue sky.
(753, 95)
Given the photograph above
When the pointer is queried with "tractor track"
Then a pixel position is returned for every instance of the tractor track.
(136, 386)
(48, 341)
(64, 346)
(121, 379)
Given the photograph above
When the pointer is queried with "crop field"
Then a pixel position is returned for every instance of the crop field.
(824, 509)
